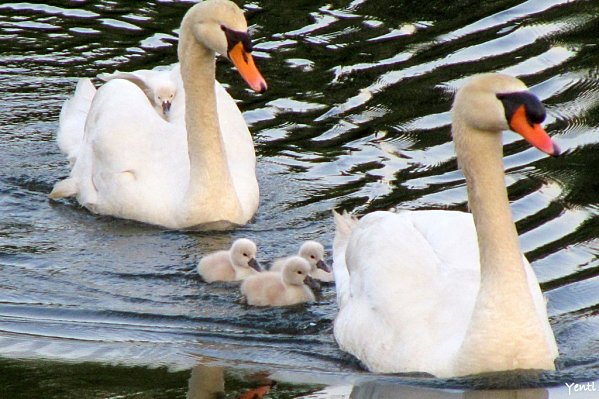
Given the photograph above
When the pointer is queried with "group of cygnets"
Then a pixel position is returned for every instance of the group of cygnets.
(288, 281)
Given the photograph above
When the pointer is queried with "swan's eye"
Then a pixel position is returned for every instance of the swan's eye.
(234, 37)
(245, 254)
(299, 272)
(312, 257)
(534, 109)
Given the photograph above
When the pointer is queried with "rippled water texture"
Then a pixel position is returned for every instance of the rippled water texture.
(356, 117)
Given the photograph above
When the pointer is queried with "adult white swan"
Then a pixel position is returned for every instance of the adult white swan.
(196, 169)
(450, 293)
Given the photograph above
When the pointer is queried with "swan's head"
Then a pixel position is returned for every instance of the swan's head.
(495, 102)
(243, 254)
(313, 252)
(220, 26)
(297, 272)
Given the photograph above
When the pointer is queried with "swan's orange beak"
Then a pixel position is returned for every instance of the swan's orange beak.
(533, 133)
(244, 62)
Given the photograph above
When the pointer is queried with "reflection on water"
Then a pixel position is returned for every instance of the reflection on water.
(356, 117)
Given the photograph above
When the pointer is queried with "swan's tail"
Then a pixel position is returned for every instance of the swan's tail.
(64, 189)
(72, 119)
(344, 225)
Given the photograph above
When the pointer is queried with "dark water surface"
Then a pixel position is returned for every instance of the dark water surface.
(356, 117)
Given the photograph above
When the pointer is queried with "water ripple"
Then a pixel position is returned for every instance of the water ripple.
(356, 117)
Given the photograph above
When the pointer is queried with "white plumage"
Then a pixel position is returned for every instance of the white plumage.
(430, 291)
(196, 168)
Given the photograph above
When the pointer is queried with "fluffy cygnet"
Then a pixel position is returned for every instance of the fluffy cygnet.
(234, 264)
(160, 86)
(289, 287)
(313, 252)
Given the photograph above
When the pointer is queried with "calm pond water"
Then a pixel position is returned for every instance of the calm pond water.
(356, 117)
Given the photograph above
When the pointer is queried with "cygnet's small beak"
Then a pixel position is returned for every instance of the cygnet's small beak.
(253, 263)
(311, 282)
(166, 106)
(323, 266)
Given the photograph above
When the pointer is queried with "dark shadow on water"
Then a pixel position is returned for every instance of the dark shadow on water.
(213, 379)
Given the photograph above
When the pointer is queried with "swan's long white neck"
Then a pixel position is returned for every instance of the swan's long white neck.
(480, 155)
(210, 179)
(504, 328)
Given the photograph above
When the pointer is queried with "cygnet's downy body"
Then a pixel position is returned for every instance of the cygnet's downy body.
(234, 264)
(292, 285)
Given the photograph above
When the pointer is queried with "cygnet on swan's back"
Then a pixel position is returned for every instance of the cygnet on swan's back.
(160, 86)
(291, 286)
(233, 264)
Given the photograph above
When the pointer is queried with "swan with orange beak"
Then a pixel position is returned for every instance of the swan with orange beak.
(239, 48)
(525, 113)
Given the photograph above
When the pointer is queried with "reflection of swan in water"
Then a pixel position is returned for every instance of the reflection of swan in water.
(208, 382)
(382, 390)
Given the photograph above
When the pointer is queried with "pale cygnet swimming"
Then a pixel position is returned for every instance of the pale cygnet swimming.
(160, 86)
(291, 286)
(234, 264)
(313, 252)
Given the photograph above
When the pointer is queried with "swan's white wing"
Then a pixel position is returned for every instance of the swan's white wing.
(142, 78)
(72, 119)
(411, 290)
(344, 225)
(133, 163)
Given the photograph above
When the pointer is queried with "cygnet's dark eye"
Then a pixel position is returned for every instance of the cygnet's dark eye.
(299, 272)
(245, 254)
(312, 257)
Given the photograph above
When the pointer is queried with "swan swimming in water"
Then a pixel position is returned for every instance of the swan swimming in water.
(198, 170)
(442, 292)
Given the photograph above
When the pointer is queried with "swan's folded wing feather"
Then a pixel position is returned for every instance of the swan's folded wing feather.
(451, 235)
(72, 119)
(406, 303)
(131, 153)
